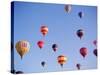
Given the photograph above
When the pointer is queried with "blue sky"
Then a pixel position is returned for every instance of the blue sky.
(29, 17)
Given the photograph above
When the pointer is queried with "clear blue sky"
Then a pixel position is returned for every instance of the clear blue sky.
(29, 17)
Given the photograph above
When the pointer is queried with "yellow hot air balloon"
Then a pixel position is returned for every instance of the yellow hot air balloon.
(22, 48)
(62, 60)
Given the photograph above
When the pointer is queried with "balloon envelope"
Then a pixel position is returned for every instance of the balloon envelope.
(95, 52)
(61, 60)
(43, 63)
(40, 44)
(68, 8)
(78, 66)
(80, 14)
(54, 47)
(44, 30)
(83, 51)
(80, 33)
(22, 47)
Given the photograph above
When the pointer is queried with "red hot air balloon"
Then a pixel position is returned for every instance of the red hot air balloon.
(54, 47)
(78, 66)
(40, 44)
(80, 33)
(83, 51)
(95, 52)
(44, 30)
(95, 42)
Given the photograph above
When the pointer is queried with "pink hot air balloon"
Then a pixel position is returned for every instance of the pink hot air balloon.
(83, 51)
(40, 44)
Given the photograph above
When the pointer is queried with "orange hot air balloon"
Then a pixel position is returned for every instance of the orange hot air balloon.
(22, 47)
(61, 60)
(68, 8)
(44, 30)
(83, 51)
(40, 44)
(80, 33)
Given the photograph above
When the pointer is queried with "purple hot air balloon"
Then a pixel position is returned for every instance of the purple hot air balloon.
(95, 52)
(83, 51)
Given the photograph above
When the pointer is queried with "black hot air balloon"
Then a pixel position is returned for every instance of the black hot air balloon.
(95, 52)
(80, 33)
(43, 63)
(54, 47)
(78, 66)
(80, 14)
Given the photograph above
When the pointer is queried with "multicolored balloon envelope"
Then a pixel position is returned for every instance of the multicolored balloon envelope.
(51, 37)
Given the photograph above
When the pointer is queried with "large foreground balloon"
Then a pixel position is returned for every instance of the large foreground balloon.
(40, 44)
(80, 14)
(54, 47)
(44, 30)
(22, 47)
(68, 8)
(80, 33)
(95, 52)
(83, 51)
(62, 60)
(43, 63)
(78, 66)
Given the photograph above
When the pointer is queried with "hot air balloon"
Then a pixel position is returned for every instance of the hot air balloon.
(95, 52)
(78, 66)
(43, 63)
(19, 72)
(80, 14)
(95, 42)
(61, 60)
(44, 30)
(54, 47)
(80, 33)
(40, 44)
(68, 8)
(83, 51)
(22, 47)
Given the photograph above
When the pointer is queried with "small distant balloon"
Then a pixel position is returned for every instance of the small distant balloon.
(68, 8)
(43, 63)
(78, 66)
(54, 47)
(95, 42)
(22, 47)
(62, 60)
(80, 33)
(81, 14)
(95, 52)
(83, 51)
(40, 44)
(44, 30)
